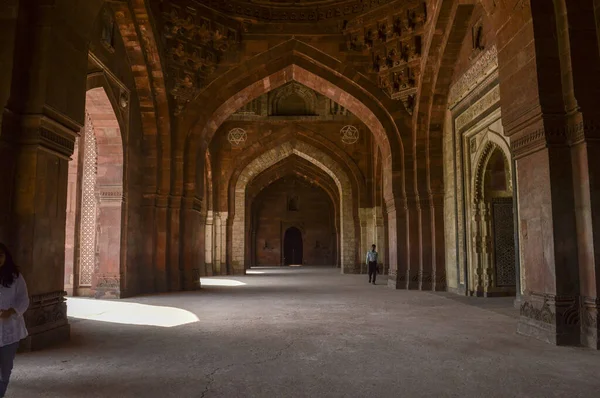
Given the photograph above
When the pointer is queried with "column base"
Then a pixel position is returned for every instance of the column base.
(46, 321)
(401, 281)
(353, 269)
(48, 338)
(549, 318)
(590, 324)
(238, 272)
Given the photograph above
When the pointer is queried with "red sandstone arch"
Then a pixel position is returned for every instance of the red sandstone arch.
(321, 160)
(294, 60)
(133, 21)
(301, 168)
(96, 228)
(298, 132)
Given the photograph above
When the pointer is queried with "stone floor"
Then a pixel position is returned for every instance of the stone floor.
(301, 332)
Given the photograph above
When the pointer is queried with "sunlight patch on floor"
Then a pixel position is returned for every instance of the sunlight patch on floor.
(128, 313)
(253, 272)
(220, 282)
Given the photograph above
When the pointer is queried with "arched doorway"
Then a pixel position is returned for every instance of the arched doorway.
(94, 204)
(292, 247)
(493, 270)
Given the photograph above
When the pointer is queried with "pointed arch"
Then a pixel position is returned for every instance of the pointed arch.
(297, 61)
(319, 159)
(492, 143)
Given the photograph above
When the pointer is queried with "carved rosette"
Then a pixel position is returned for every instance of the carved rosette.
(394, 44)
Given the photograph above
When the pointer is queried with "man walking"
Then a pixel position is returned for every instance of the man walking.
(372, 263)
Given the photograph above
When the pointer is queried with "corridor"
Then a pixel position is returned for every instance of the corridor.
(301, 332)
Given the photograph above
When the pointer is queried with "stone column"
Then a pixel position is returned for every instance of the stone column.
(425, 248)
(379, 238)
(398, 238)
(174, 243)
(106, 282)
(413, 236)
(536, 115)
(42, 118)
(209, 245)
(438, 256)
(367, 235)
(550, 304)
(160, 241)
(587, 213)
(578, 28)
(220, 242)
(192, 254)
(40, 148)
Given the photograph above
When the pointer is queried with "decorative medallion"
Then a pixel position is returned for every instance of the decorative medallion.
(237, 136)
(349, 134)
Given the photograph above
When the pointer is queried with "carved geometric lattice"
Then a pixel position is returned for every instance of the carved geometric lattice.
(88, 206)
(349, 134)
(237, 136)
(504, 242)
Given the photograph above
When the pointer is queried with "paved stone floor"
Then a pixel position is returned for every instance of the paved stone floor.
(301, 332)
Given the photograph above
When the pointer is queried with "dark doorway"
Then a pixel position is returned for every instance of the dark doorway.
(292, 247)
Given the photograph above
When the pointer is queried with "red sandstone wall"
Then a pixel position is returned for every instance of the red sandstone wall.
(314, 218)
(468, 54)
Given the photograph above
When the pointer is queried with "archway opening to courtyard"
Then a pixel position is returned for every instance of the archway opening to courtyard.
(94, 203)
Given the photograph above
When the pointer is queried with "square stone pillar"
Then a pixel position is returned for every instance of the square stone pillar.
(220, 243)
(191, 258)
(209, 244)
(367, 235)
(550, 306)
(586, 169)
(36, 150)
(398, 238)
(379, 238)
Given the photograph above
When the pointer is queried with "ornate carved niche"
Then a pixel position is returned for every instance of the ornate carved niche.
(394, 43)
(195, 44)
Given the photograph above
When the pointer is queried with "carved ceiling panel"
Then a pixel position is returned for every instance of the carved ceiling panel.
(295, 11)
(394, 43)
(195, 44)
(383, 40)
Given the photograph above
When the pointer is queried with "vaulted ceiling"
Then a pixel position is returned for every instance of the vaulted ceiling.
(381, 39)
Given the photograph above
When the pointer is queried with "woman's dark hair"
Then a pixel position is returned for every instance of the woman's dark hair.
(9, 271)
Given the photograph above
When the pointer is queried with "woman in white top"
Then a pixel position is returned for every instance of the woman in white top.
(14, 301)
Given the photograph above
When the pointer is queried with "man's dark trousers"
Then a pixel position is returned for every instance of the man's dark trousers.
(372, 271)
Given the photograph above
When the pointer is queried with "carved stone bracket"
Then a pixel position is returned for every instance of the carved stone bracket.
(394, 44)
(195, 46)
